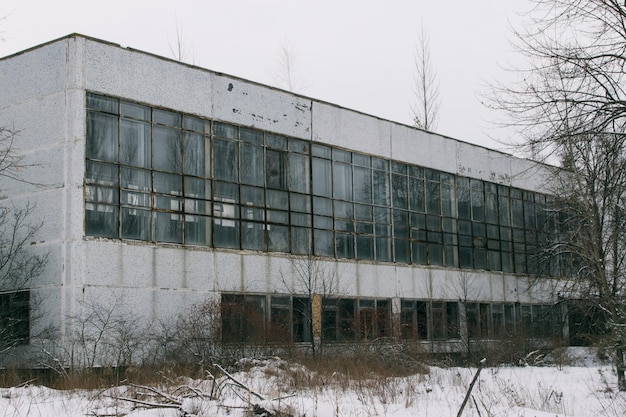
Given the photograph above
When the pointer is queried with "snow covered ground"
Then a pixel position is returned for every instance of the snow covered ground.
(584, 389)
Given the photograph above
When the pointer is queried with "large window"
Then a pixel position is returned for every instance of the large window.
(157, 175)
(14, 318)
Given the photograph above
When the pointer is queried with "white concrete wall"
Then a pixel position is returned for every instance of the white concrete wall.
(43, 93)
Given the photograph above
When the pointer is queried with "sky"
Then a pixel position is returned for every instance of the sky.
(358, 54)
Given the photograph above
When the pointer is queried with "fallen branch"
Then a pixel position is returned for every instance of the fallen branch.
(239, 384)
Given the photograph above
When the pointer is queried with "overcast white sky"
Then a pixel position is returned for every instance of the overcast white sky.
(354, 53)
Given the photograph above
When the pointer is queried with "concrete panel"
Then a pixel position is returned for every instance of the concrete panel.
(199, 271)
(44, 212)
(53, 273)
(169, 268)
(405, 282)
(529, 175)
(146, 78)
(253, 275)
(510, 289)
(104, 264)
(484, 164)
(39, 123)
(497, 287)
(423, 284)
(43, 170)
(418, 147)
(245, 103)
(524, 291)
(45, 74)
(348, 129)
(229, 272)
(346, 278)
(367, 278)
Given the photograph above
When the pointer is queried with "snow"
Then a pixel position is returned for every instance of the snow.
(583, 388)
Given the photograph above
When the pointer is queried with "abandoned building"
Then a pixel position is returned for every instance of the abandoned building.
(160, 185)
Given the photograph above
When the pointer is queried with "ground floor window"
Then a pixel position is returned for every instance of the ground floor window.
(250, 318)
(423, 320)
(503, 320)
(14, 318)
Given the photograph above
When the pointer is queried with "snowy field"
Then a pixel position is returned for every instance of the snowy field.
(584, 389)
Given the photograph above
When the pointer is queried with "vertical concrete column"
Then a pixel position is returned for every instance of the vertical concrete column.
(396, 311)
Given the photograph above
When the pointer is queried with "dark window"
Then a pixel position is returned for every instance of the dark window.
(14, 318)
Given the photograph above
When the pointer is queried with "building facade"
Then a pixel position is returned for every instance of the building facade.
(160, 185)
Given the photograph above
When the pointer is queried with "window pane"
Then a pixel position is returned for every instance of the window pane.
(277, 238)
(345, 245)
(225, 160)
(136, 111)
(136, 143)
(102, 137)
(167, 118)
(300, 240)
(362, 185)
(433, 197)
(136, 199)
(253, 236)
(168, 183)
(198, 188)
(401, 250)
(168, 227)
(167, 149)
(299, 173)
(197, 230)
(365, 247)
(478, 201)
(103, 174)
(323, 241)
(252, 136)
(136, 223)
(275, 170)
(252, 196)
(300, 203)
(342, 181)
(196, 160)
(381, 188)
(419, 253)
(197, 206)
(101, 220)
(447, 200)
(102, 194)
(383, 249)
(322, 206)
(463, 203)
(435, 254)
(224, 130)
(399, 185)
(226, 233)
(102, 103)
(252, 164)
(322, 184)
(277, 199)
(417, 198)
(136, 179)
(195, 124)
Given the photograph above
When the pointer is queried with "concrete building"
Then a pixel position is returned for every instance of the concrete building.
(161, 184)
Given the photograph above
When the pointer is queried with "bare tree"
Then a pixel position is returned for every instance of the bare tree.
(286, 73)
(19, 264)
(425, 109)
(180, 49)
(312, 282)
(570, 109)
